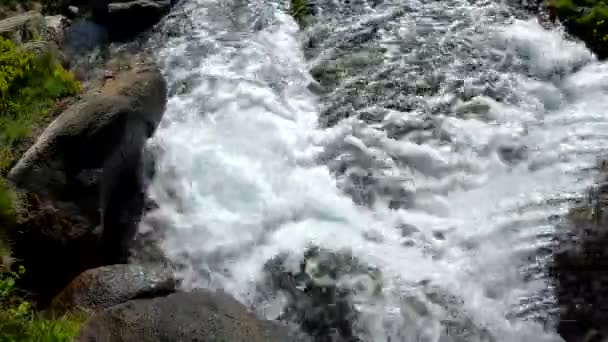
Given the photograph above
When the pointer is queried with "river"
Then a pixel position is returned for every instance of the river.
(436, 141)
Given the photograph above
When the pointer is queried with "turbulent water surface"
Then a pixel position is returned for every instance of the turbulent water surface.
(437, 141)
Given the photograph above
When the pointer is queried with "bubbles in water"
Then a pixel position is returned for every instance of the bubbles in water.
(448, 129)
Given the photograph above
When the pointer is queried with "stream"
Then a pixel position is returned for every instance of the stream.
(437, 142)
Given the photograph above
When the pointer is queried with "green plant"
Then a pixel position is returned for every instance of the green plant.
(20, 323)
(586, 19)
(300, 9)
(30, 85)
(6, 204)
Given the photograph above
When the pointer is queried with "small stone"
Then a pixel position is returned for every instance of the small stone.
(73, 10)
(108, 74)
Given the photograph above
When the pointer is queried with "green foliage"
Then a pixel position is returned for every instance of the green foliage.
(20, 323)
(587, 19)
(7, 217)
(6, 205)
(30, 86)
(24, 5)
(300, 9)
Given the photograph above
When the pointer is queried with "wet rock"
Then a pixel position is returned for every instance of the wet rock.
(320, 293)
(55, 27)
(476, 106)
(196, 316)
(580, 269)
(125, 18)
(512, 153)
(83, 36)
(104, 287)
(84, 175)
(24, 27)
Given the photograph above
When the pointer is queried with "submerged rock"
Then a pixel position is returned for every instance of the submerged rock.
(197, 316)
(320, 293)
(104, 287)
(82, 181)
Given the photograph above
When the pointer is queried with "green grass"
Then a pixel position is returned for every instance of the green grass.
(586, 19)
(7, 220)
(29, 88)
(20, 323)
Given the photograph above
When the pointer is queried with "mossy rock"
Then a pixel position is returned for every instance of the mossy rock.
(24, 27)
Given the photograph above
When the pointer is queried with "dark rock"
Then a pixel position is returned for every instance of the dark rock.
(85, 35)
(125, 18)
(103, 287)
(196, 316)
(323, 308)
(580, 269)
(84, 176)
(24, 27)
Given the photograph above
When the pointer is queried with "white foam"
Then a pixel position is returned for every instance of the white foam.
(245, 173)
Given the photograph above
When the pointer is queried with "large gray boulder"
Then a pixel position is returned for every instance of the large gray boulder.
(103, 287)
(24, 27)
(80, 185)
(202, 316)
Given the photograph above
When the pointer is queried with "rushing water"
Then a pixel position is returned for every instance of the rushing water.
(434, 140)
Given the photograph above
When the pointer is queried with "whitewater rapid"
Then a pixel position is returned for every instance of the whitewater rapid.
(441, 145)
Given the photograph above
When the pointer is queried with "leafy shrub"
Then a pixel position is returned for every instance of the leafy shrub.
(20, 323)
(30, 86)
(586, 19)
